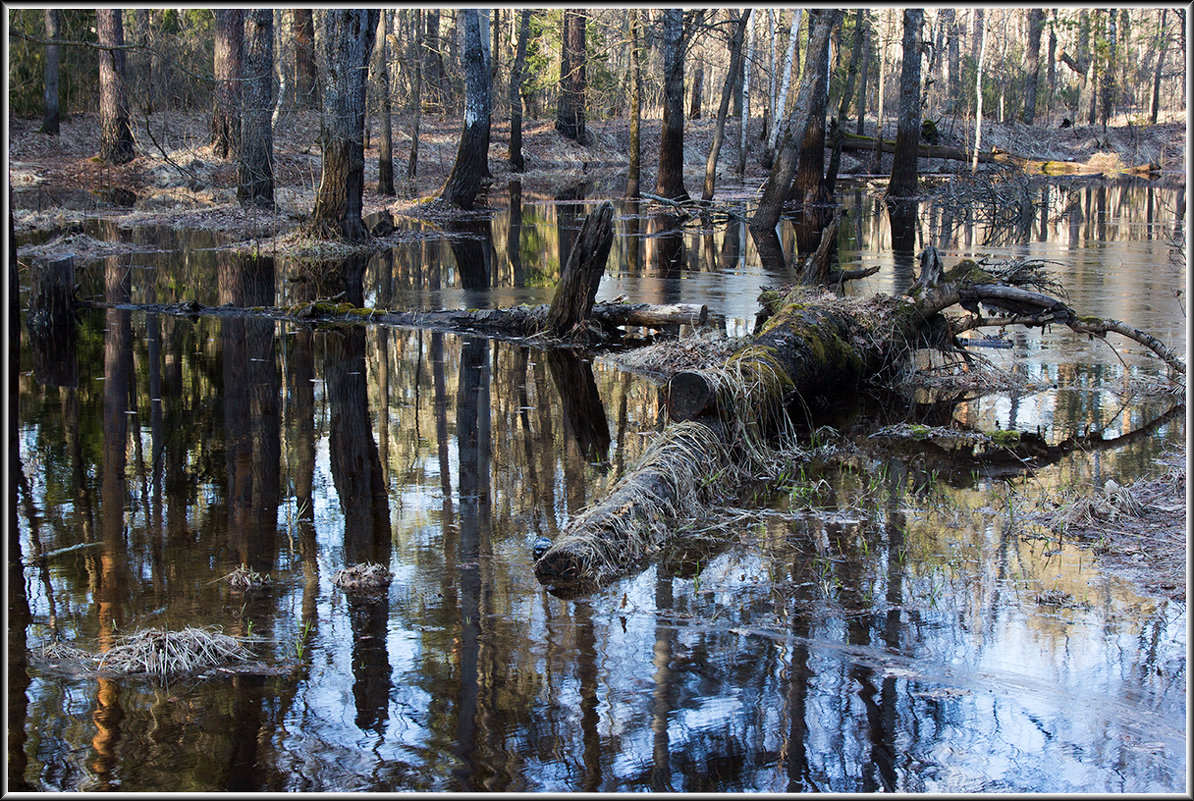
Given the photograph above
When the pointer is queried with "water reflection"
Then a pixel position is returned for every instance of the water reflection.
(896, 646)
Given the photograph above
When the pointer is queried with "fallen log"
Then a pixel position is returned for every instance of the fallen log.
(814, 348)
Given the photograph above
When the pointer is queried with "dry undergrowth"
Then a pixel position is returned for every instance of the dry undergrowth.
(153, 652)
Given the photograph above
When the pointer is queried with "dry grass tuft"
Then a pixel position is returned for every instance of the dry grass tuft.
(364, 578)
(245, 579)
(162, 653)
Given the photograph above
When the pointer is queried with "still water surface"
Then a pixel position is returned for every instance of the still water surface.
(894, 641)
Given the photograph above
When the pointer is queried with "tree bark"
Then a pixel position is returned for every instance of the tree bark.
(779, 111)
(636, 108)
(416, 95)
(744, 120)
(344, 40)
(865, 44)
(783, 171)
(698, 79)
(1036, 25)
(51, 118)
(723, 109)
(903, 162)
(116, 133)
(809, 185)
(436, 88)
(306, 86)
(670, 182)
(949, 19)
(839, 130)
(978, 89)
(255, 183)
(570, 117)
(516, 77)
(582, 273)
(225, 118)
(1108, 79)
(472, 156)
(381, 70)
(1162, 46)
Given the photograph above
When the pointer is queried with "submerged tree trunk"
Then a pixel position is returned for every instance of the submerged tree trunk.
(670, 183)
(903, 161)
(50, 119)
(225, 118)
(472, 155)
(255, 181)
(723, 109)
(116, 133)
(345, 40)
(570, 117)
(636, 108)
(381, 68)
(517, 164)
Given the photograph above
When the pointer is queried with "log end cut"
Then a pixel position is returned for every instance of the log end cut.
(690, 396)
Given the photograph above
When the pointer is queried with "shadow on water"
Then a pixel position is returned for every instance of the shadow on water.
(873, 626)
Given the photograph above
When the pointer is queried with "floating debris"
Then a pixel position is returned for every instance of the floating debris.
(365, 578)
(245, 579)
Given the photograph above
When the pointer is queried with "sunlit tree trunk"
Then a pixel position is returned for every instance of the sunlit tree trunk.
(464, 182)
(1162, 46)
(116, 134)
(1036, 25)
(839, 130)
(225, 118)
(636, 107)
(570, 117)
(255, 185)
(808, 186)
(381, 68)
(747, 69)
(779, 110)
(864, 42)
(50, 120)
(978, 91)
(1108, 79)
(877, 162)
(516, 77)
(772, 82)
(698, 78)
(414, 57)
(723, 109)
(903, 161)
(344, 41)
(1051, 65)
(949, 19)
(670, 183)
(306, 86)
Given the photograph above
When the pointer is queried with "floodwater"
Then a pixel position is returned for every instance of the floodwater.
(870, 628)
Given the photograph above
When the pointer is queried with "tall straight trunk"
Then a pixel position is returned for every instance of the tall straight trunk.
(414, 57)
(670, 183)
(938, 40)
(1108, 84)
(809, 188)
(779, 111)
(516, 77)
(255, 183)
(723, 109)
(116, 133)
(839, 130)
(494, 57)
(1162, 46)
(344, 42)
(698, 78)
(1051, 65)
(864, 43)
(570, 117)
(879, 109)
(976, 42)
(225, 117)
(636, 107)
(487, 112)
(1036, 25)
(978, 92)
(381, 70)
(464, 182)
(434, 77)
(949, 19)
(280, 71)
(747, 68)
(783, 171)
(903, 161)
(50, 119)
(772, 80)
(306, 87)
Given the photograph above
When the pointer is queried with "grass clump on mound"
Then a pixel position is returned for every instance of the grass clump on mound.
(163, 653)
(366, 578)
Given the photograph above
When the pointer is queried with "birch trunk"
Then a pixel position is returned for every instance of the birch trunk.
(779, 110)
(469, 169)
(978, 92)
(747, 68)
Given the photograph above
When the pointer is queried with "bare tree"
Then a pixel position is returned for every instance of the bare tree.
(723, 109)
(50, 120)
(747, 68)
(779, 110)
(636, 106)
(1036, 26)
(1162, 46)
(226, 95)
(414, 57)
(809, 185)
(381, 71)
(570, 118)
(980, 32)
(516, 77)
(903, 161)
(116, 134)
(670, 182)
(469, 169)
(255, 184)
(698, 80)
(864, 43)
(344, 40)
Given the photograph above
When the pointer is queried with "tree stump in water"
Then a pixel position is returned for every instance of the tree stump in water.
(51, 323)
(581, 276)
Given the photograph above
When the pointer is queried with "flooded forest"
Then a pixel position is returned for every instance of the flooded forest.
(580, 400)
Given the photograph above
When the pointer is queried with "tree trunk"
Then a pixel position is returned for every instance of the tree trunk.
(779, 111)
(865, 44)
(880, 106)
(255, 184)
(516, 77)
(570, 117)
(1051, 66)
(783, 171)
(839, 130)
(582, 273)
(344, 41)
(636, 107)
(1036, 25)
(1108, 85)
(694, 109)
(306, 87)
(949, 18)
(464, 182)
(747, 68)
(225, 118)
(116, 134)
(50, 119)
(1162, 46)
(381, 69)
(436, 88)
(809, 186)
(772, 82)
(723, 109)
(670, 182)
(903, 162)
(978, 91)
(416, 96)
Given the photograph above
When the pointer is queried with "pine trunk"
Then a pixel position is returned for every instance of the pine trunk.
(255, 184)
(225, 118)
(570, 117)
(903, 161)
(51, 118)
(116, 134)
(670, 182)
(345, 41)
(381, 69)
(469, 170)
